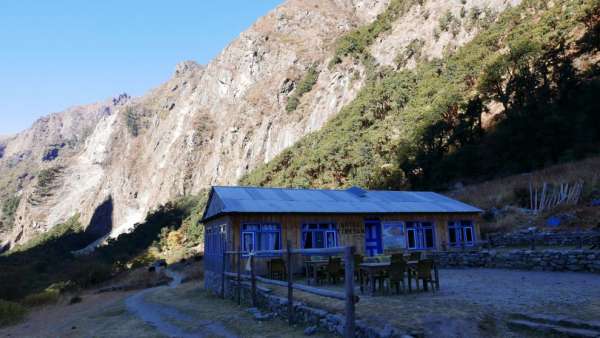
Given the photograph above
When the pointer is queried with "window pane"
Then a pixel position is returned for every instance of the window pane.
(319, 239)
(250, 227)
(452, 236)
(313, 226)
(270, 227)
(411, 239)
(469, 234)
(428, 238)
(248, 241)
(269, 241)
(331, 239)
(308, 242)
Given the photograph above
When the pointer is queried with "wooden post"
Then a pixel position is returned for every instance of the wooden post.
(349, 281)
(253, 278)
(436, 272)
(290, 283)
(239, 275)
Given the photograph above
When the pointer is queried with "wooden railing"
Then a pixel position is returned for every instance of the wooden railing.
(347, 296)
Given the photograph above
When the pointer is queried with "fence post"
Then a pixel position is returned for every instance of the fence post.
(290, 271)
(349, 281)
(253, 277)
(239, 275)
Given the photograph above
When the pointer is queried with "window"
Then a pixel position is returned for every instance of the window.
(256, 236)
(319, 235)
(421, 235)
(461, 233)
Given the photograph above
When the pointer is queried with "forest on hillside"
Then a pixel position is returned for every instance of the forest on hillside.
(534, 71)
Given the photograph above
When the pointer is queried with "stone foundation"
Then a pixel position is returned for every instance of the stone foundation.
(542, 260)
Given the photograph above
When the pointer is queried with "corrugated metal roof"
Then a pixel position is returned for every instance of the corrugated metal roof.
(225, 200)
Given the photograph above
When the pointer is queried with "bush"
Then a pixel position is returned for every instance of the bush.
(92, 273)
(304, 86)
(131, 119)
(11, 313)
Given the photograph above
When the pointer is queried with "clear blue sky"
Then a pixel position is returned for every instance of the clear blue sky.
(54, 54)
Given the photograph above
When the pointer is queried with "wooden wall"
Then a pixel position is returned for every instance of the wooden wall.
(350, 227)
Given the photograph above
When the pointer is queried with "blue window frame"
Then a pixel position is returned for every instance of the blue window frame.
(461, 233)
(260, 236)
(319, 235)
(420, 235)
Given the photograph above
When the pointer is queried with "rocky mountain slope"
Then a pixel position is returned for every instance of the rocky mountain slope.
(283, 78)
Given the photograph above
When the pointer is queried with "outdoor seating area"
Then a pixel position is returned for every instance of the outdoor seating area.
(381, 274)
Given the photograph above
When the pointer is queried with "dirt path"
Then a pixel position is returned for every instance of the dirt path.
(163, 317)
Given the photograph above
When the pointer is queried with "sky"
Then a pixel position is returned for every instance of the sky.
(59, 53)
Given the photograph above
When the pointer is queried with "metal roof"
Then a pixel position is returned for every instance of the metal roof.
(224, 200)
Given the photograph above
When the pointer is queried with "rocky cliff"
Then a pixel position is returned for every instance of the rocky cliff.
(210, 124)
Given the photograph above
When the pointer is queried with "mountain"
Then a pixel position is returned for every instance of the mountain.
(312, 77)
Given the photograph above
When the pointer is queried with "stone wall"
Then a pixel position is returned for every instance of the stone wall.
(314, 318)
(523, 238)
(546, 260)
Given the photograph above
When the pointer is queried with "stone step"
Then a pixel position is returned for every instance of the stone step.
(560, 321)
(553, 329)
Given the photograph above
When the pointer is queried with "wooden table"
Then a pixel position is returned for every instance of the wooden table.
(373, 269)
(314, 265)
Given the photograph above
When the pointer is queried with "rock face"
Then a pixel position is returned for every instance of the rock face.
(206, 125)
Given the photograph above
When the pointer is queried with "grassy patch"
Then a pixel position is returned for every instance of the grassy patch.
(9, 208)
(46, 297)
(11, 313)
(71, 226)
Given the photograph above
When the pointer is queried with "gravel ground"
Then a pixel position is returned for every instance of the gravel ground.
(476, 302)
(574, 294)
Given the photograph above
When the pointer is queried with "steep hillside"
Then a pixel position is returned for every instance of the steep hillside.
(208, 124)
(519, 96)
(284, 77)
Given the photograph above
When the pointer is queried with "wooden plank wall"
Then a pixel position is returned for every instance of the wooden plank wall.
(350, 227)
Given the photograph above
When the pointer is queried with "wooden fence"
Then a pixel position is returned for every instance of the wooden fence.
(241, 279)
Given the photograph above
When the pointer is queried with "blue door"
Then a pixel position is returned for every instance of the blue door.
(373, 245)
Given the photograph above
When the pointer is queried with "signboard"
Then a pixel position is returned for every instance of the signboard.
(393, 236)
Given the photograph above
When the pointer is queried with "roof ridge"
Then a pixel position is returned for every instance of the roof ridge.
(320, 189)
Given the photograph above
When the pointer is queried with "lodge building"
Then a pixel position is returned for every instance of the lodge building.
(252, 218)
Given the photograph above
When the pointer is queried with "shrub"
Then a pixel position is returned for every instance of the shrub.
(92, 273)
(446, 20)
(11, 313)
(304, 86)
(132, 121)
(9, 208)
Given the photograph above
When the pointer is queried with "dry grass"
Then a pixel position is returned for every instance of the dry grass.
(140, 278)
(503, 192)
(500, 192)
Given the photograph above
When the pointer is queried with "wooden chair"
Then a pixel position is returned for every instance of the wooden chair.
(277, 269)
(423, 273)
(334, 269)
(358, 259)
(398, 271)
(415, 256)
